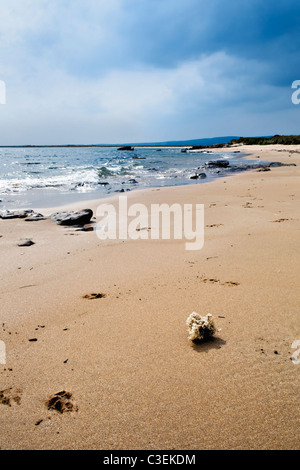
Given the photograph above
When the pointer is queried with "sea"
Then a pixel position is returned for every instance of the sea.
(50, 177)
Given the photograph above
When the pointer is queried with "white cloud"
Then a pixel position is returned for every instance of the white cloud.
(72, 75)
(132, 105)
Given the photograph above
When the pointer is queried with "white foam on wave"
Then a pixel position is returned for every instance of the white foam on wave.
(68, 181)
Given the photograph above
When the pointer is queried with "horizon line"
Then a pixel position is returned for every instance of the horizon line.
(168, 143)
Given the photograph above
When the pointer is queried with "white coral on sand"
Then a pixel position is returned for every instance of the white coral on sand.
(201, 328)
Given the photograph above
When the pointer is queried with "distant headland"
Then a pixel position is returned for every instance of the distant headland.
(214, 142)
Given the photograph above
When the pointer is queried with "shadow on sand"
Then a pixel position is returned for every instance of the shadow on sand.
(208, 344)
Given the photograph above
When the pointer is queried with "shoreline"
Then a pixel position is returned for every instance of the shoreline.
(249, 154)
(48, 196)
(135, 379)
(78, 204)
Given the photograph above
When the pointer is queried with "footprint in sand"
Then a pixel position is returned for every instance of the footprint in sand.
(217, 281)
(94, 296)
(214, 225)
(211, 281)
(280, 220)
(143, 228)
(61, 402)
(10, 396)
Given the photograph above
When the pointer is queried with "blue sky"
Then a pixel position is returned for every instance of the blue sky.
(99, 71)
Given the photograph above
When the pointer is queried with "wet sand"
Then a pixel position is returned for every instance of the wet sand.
(133, 380)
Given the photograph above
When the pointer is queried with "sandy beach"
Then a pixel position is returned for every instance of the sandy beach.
(136, 380)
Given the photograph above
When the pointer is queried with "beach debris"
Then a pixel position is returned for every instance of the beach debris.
(61, 402)
(25, 242)
(81, 217)
(201, 328)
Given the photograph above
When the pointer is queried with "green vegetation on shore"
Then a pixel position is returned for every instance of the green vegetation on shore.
(276, 139)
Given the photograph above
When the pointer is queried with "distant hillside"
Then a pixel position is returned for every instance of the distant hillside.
(210, 141)
(171, 143)
(214, 142)
(276, 139)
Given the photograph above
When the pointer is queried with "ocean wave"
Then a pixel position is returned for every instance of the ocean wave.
(86, 170)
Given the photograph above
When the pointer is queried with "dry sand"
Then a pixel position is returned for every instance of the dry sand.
(135, 379)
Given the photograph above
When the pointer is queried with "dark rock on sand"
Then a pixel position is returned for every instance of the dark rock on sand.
(28, 215)
(217, 164)
(275, 164)
(264, 169)
(22, 214)
(128, 148)
(73, 218)
(26, 242)
(197, 176)
(244, 167)
(131, 181)
(35, 217)
(269, 165)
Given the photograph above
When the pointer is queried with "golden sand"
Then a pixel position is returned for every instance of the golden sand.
(132, 377)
